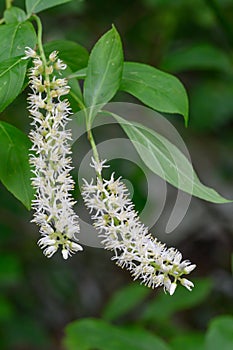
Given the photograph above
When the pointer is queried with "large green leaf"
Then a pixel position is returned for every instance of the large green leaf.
(202, 56)
(12, 74)
(97, 334)
(156, 89)
(35, 6)
(167, 161)
(14, 37)
(73, 54)
(125, 300)
(220, 334)
(14, 15)
(15, 171)
(104, 71)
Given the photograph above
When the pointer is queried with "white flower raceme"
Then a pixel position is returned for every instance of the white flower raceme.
(51, 162)
(123, 233)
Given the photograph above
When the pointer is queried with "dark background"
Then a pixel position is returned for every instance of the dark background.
(40, 296)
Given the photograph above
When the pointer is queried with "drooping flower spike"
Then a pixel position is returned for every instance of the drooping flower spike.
(123, 233)
(50, 157)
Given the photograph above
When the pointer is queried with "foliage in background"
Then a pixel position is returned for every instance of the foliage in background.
(159, 33)
(106, 73)
(154, 326)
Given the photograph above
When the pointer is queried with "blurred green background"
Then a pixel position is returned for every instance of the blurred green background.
(40, 297)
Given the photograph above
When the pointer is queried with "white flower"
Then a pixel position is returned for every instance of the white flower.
(29, 53)
(123, 233)
(186, 283)
(50, 158)
(98, 166)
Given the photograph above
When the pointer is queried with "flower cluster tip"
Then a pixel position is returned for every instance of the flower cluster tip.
(123, 233)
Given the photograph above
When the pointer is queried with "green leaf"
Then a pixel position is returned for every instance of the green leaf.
(191, 341)
(220, 334)
(96, 334)
(35, 6)
(14, 37)
(125, 300)
(73, 54)
(202, 56)
(75, 94)
(15, 171)
(12, 74)
(161, 308)
(14, 15)
(156, 89)
(104, 71)
(167, 161)
(80, 74)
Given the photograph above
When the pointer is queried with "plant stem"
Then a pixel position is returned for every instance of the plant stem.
(42, 54)
(78, 100)
(9, 4)
(93, 145)
(39, 38)
(91, 139)
(89, 133)
(41, 50)
(224, 23)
